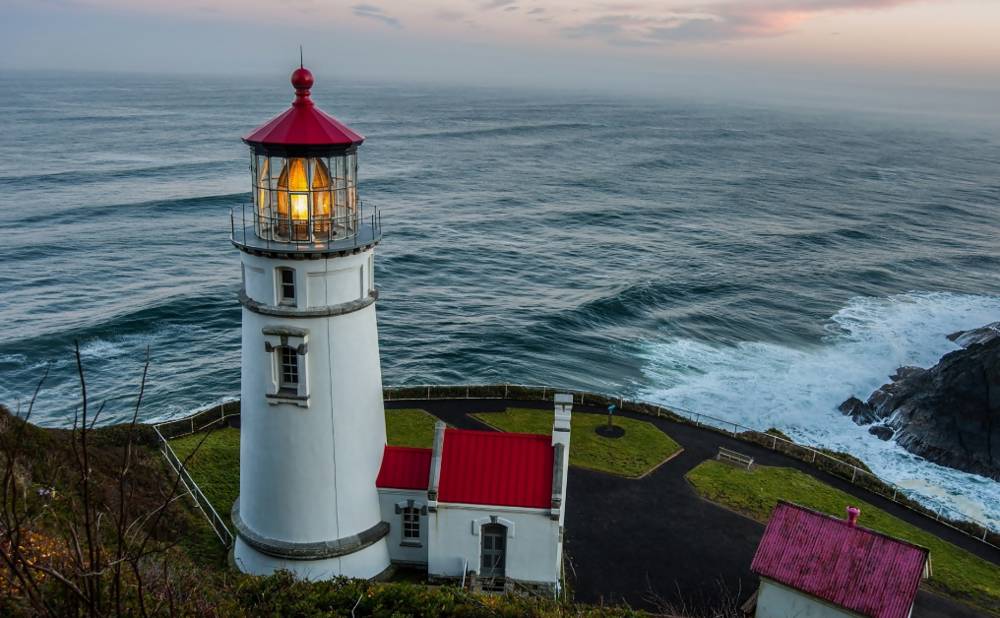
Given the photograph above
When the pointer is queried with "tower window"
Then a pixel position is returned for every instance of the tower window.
(289, 369)
(286, 286)
(411, 524)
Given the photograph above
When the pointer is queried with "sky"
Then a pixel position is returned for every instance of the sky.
(634, 45)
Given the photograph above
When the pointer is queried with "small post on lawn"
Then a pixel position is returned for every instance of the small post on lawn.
(611, 414)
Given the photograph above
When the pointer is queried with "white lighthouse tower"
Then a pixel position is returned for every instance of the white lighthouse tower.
(313, 425)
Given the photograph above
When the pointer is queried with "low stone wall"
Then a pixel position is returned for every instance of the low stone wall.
(228, 414)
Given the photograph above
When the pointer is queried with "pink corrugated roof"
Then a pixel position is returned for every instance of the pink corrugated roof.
(404, 467)
(853, 567)
(503, 469)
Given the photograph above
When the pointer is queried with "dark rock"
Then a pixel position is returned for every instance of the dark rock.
(950, 413)
(906, 372)
(882, 432)
(984, 334)
(861, 412)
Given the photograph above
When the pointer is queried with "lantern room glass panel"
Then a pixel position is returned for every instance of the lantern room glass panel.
(305, 199)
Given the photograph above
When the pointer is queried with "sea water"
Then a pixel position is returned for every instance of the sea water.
(759, 263)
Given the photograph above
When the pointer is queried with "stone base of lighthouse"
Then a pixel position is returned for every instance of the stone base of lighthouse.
(368, 562)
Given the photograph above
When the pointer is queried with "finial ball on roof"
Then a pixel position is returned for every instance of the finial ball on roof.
(302, 78)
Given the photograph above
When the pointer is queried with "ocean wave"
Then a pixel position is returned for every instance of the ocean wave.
(91, 176)
(116, 211)
(516, 129)
(797, 389)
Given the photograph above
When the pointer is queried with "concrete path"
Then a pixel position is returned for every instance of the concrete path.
(653, 541)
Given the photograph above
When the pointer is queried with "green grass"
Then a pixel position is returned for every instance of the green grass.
(215, 467)
(956, 572)
(642, 448)
(409, 427)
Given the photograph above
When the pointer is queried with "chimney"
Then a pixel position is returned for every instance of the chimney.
(436, 450)
(560, 453)
(853, 513)
(563, 414)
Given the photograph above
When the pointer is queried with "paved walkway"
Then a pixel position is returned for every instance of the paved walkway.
(643, 541)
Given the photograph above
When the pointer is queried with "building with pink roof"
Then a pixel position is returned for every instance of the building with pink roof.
(813, 565)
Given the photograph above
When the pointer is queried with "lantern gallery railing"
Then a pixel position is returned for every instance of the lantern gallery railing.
(255, 229)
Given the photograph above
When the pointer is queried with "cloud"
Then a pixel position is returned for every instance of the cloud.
(497, 4)
(370, 11)
(726, 21)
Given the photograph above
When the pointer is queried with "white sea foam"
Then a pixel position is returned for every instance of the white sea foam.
(798, 390)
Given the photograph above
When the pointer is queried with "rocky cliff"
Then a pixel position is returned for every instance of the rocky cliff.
(950, 413)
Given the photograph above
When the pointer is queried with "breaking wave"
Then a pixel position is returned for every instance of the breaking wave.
(797, 390)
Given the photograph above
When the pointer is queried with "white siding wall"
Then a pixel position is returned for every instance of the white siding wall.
(533, 545)
(398, 552)
(777, 601)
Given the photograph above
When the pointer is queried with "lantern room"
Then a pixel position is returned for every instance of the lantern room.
(304, 175)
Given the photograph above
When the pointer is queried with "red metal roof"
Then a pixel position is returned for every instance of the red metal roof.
(502, 469)
(404, 467)
(304, 124)
(853, 567)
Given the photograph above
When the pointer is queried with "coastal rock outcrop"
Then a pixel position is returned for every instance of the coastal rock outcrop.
(948, 414)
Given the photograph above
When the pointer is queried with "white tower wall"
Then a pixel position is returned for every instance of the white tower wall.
(309, 460)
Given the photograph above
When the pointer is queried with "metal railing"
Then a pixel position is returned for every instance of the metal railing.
(257, 229)
(846, 470)
(218, 524)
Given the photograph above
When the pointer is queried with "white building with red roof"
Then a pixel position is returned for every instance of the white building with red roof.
(812, 565)
(481, 504)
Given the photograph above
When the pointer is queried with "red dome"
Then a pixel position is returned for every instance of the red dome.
(304, 124)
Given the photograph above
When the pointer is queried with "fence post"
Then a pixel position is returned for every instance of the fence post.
(854, 473)
(814, 457)
(428, 392)
(466, 392)
(774, 443)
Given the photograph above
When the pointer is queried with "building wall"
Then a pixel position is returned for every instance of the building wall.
(400, 552)
(533, 541)
(777, 601)
(308, 469)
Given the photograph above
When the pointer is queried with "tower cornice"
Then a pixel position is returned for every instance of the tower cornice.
(310, 312)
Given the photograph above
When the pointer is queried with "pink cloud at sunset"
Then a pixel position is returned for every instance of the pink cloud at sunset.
(537, 39)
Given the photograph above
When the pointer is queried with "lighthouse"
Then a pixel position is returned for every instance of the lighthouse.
(312, 418)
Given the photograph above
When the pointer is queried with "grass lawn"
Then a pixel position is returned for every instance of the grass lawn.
(642, 448)
(956, 572)
(409, 427)
(215, 467)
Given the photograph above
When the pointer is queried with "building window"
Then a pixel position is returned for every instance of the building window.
(289, 369)
(411, 524)
(286, 286)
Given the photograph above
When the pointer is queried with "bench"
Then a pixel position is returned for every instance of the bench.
(728, 456)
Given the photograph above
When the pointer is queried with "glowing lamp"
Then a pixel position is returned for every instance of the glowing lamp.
(304, 167)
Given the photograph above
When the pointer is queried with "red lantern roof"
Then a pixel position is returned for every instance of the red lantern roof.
(304, 124)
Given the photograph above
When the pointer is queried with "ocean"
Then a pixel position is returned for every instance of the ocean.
(756, 262)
